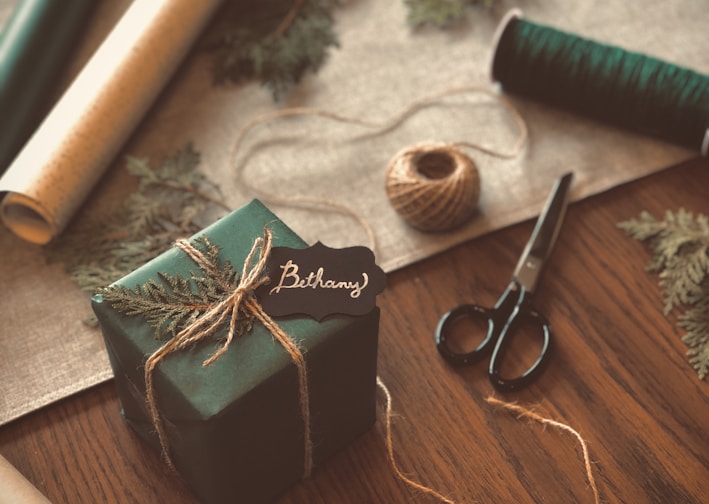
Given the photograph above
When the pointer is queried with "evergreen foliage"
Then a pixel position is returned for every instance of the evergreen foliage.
(172, 303)
(275, 41)
(440, 13)
(680, 247)
(96, 250)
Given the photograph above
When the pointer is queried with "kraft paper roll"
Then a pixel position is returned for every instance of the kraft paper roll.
(60, 164)
(14, 488)
(34, 47)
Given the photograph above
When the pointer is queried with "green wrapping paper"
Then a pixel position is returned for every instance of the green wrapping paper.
(235, 427)
(34, 48)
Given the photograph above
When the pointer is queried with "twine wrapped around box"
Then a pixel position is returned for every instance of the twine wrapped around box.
(238, 304)
(240, 419)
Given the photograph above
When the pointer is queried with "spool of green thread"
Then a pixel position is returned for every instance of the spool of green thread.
(603, 82)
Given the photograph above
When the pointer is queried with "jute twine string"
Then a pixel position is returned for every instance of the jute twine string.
(239, 303)
(380, 127)
(526, 413)
(433, 186)
(390, 450)
(523, 412)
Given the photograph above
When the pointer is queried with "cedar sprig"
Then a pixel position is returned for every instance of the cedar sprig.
(440, 13)
(275, 41)
(170, 200)
(171, 303)
(695, 321)
(680, 247)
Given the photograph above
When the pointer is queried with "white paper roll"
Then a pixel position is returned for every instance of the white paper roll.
(80, 137)
(14, 488)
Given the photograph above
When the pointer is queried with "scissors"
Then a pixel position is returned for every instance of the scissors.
(514, 308)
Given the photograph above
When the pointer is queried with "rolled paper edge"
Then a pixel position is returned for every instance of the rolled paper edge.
(15, 488)
(505, 22)
(32, 218)
(27, 218)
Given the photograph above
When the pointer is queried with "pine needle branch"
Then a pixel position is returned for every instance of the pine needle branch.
(680, 247)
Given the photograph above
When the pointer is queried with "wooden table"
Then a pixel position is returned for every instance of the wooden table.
(619, 376)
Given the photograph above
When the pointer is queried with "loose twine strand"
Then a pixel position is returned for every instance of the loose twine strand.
(241, 301)
(523, 412)
(390, 450)
(381, 127)
(526, 413)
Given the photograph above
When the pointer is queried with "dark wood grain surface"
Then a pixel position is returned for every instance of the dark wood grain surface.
(619, 375)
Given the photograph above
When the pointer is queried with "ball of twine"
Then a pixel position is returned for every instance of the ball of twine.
(433, 186)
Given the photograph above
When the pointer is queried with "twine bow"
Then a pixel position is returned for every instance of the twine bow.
(241, 301)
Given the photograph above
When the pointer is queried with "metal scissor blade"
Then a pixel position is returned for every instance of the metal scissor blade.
(540, 244)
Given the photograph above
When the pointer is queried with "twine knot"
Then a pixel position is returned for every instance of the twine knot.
(239, 304)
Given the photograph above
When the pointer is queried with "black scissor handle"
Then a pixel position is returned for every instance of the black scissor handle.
(512, 310)
(523, 313)
(494, 317)
(444, 331)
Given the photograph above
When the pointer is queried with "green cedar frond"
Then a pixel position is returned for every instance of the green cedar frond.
(250, 40)
(171, 303)
(696, 322)
(683, 276)
(97, 250)
(680, 247)
(162, 307)
(440, 13)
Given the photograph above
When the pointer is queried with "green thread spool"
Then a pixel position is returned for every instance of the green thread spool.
(603, 82)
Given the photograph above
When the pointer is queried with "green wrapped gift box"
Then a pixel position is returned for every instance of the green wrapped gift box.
(235, 428)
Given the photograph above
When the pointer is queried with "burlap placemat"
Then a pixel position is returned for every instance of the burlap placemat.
(46, 353)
